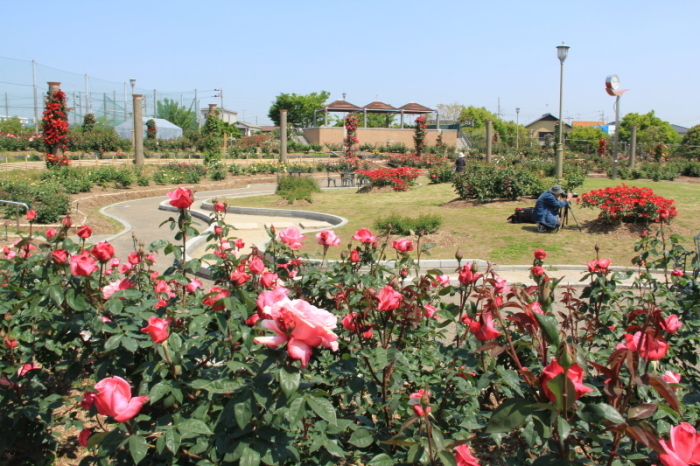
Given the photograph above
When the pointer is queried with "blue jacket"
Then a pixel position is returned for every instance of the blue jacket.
(547, 209)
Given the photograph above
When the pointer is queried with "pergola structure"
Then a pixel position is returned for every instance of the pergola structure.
(341, 106)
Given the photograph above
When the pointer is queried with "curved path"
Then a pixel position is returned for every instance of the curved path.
(142, 218)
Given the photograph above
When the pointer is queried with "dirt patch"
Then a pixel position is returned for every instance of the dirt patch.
(370, 189)
(296, 202)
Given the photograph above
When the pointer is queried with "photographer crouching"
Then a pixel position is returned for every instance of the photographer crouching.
(547, 209)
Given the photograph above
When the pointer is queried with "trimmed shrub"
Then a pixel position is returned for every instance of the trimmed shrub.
(294, 188)
(401, 225)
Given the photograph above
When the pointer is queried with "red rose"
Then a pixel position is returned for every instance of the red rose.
(181, 198)
(59, 256)
(575, 374)
(84, 231)
(102, 251)
(157, 328)
(31, 215)
(83, 264)
(540, 254)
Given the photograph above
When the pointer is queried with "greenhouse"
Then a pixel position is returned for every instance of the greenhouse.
(164, 129)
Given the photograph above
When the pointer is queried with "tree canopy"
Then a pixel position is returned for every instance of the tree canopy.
(300, 108)
(585, 138)
(650, 129)
(170, 110)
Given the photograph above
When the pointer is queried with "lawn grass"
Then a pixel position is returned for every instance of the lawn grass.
(481, 231)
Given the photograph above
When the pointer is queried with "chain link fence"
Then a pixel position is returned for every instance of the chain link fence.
(23, 88)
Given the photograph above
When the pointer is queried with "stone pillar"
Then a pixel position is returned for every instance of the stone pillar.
(212, 108)
(633, 146)
(53, 87)
(489, 140)
(138, 129)
(283, 136)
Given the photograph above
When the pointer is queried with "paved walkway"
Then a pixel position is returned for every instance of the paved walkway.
(142, 218)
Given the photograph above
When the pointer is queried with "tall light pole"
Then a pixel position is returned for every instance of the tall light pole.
(517, 128)
(221, 94)
(132, 81)
(562, 52)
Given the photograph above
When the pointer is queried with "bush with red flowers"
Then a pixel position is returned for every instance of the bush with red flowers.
(351, 140)
(419, 136)
(398, 178)
(54, 125)
(629, 204)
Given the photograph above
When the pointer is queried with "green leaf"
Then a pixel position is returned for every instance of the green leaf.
(362, 438)
(172, 440)
(289, 380)
(193, 426)
(156, 245)
(55, 292)
(242, 413)
(216, 386)
(138, 448)
(604, 411)
(563, 428)
(249, 457)
(448, 458)
(113, 342)
(158, 391)
(322, 407)
(130, 344)
(549, 328)
(381, 459)
(509, 416)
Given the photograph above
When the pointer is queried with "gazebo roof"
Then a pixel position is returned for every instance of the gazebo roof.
(379, 107)
(415, 108)
(341, 106)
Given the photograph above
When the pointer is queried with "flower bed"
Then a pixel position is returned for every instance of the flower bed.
(398, 178)
(629, 204)
(281, 362)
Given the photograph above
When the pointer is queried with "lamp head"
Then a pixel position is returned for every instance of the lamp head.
(133, 82)
(562, 52)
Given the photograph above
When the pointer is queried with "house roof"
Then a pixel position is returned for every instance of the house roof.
(576, 124)
(547, 117)
(341, 106)
(379, 107)
(248, 125)
(415, 108)
(679, 129)
(268, 129)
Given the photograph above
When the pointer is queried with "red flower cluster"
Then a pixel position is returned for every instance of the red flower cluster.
(630, 204)
(351, 140)
(54, 125)
(397, 178)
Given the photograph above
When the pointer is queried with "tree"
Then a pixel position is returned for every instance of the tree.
(449, 111)
(690, 145)
(585, 138)
(651, 130)
(300, 108)
(170, 110)
(374, 120)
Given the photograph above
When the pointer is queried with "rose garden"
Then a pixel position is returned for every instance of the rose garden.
(286, 357)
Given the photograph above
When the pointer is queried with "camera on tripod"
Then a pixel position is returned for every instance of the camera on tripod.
(574, 195)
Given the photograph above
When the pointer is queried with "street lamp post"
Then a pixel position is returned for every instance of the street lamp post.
(562, 51)
(517, 128)
(132, 81)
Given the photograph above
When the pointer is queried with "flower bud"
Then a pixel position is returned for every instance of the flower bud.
(458, 254)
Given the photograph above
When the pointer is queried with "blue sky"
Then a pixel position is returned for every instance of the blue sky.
(438, 52)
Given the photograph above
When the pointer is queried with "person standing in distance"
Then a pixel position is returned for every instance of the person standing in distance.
(460, 163)
(546, 213)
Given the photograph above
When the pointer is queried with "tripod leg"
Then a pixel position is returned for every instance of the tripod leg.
(577, 224)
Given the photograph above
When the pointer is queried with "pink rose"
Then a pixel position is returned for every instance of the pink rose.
(23, 369)
(402, 245)
(268, 279)
(537, 271)
(193, 285)
(133, 258)
(652, 348)
(157, 328)
(671, 377)
(102, 251)
(683, 448)
(354, 256)
(467, 275)
(464, 456)
(416, 401)
(671, 324)
(575, 374)
(84, 437)
(327, 238)
(181, 198)
(239, 243)
(114, 399)
(215, 295)
(220, 207)
(363, 235)
(50, 233)
(83, 264)
(31, 215)
(109, 290)
(483, 328)
(389, 299)
(540, 254)
(256, 265)
(292, 237)
(88, 400)
(59, 256)
(267, 299)
(10, 344)
(301, 326)
(429, 310)
(84, 232)
(239, 278)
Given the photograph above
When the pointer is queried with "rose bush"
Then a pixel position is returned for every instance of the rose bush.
(353, 363)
